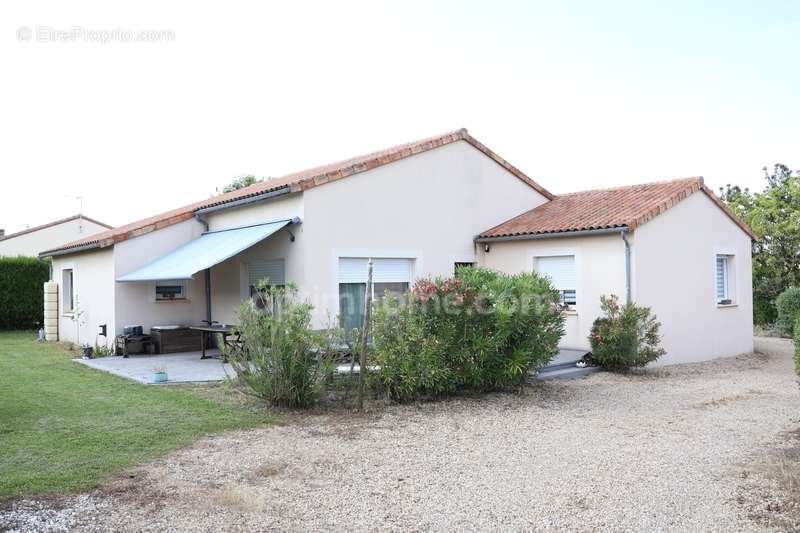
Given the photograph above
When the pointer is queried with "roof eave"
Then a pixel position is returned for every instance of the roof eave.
(76, 249)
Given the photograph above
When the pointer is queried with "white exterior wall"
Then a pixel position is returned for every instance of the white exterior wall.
(93, 287)
(31, 244)
(599, 267)
(135, 301)
(428, 207)
(675, 275)
(278, 208)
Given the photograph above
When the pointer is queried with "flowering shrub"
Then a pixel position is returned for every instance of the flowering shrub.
(479, 331)
(625, 336)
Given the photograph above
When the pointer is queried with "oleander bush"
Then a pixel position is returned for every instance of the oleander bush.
(22, 292)
(788, 305)
(281, 359)
(479, 331)
(625, 336)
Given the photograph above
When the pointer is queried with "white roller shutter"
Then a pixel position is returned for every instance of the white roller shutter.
(384, 270)
(273, 269)
(560, 269)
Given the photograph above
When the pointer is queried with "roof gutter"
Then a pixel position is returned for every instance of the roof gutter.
(555, 235)
(244, 201)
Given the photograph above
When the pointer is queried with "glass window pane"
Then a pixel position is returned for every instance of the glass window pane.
(722, 278)
(351, 305)
(568, 297)
(395, 289)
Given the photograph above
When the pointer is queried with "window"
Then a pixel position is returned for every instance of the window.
(170, 290)
(561, 271)
(723, 275)
(388, 275)
(67, 296)
(273, 270)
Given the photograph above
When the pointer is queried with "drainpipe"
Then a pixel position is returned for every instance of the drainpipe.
(624, 234)
(206, 273)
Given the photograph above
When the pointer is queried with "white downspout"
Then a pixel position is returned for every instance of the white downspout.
(624, 234)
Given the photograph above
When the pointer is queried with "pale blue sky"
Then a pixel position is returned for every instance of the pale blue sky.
(577, 94)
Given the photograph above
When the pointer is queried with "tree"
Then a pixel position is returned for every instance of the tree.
(240, 183)
(774, 216)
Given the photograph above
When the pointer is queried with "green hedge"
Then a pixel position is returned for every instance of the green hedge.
(21, 292)
(797, 346)
(788, 305)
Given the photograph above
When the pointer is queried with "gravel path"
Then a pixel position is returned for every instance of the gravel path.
(667, 450)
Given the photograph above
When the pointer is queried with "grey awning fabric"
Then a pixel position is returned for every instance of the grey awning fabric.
(209, 249)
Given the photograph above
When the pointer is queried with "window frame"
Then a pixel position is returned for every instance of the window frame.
(729, 279)
(184, 284)
(414, 259)
(571, 307)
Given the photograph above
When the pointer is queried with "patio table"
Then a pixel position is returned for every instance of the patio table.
(230, 336)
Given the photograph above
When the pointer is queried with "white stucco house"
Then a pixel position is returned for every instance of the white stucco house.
(32, 241)
(422, 209)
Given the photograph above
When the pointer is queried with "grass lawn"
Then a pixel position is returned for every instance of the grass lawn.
(66, 427)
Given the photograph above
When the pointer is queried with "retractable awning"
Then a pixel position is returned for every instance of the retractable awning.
(211, 248)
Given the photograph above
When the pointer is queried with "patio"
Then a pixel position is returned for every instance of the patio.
(185, 367)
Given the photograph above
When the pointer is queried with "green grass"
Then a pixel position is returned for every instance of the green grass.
(65, 427)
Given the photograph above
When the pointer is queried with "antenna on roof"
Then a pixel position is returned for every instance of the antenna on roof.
(80, 211)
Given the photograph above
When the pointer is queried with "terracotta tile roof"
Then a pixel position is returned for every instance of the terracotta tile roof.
(51, 224)
(629, 206)
(297, 182)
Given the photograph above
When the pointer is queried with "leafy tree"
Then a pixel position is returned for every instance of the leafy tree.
(240, 183)
(774, 216)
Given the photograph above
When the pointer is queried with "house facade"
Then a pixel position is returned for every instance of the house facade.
(32, 241)
(671, 246)
(419, 209)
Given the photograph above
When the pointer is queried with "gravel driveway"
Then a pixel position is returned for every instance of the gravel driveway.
(669, 450)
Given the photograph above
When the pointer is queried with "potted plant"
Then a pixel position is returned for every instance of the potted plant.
(87, 351)
(160, 375)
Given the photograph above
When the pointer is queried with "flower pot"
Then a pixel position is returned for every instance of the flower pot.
(159, 377)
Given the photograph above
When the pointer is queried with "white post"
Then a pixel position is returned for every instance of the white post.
(362, 363)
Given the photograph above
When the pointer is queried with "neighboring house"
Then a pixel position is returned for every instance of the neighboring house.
(33, 241)
(418, 209)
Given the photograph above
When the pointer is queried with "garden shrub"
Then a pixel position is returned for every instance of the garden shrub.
(480, 331)
(281, 360)
(625, 336)
(797, 346)
(788, 306)
(22, 292)
(411, 363)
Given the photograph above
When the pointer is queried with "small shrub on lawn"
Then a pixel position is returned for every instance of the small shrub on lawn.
(788, 305)
(282, 360)
(797, 346)
(479, 331)
(625, 336)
